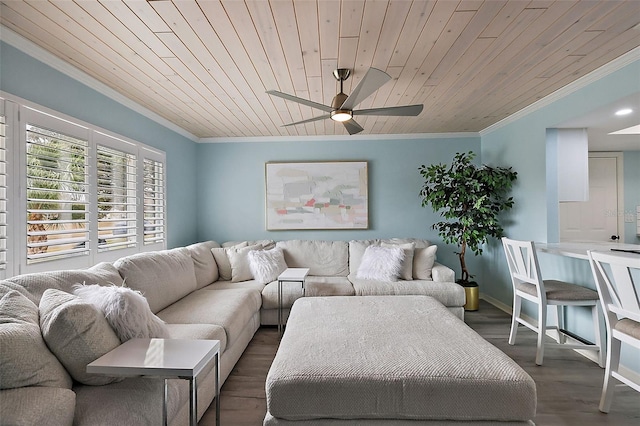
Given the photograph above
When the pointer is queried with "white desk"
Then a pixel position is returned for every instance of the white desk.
(295, 275)
(164, 358)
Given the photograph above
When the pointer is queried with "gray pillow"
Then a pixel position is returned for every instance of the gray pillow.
(77, 333)
(25, 359)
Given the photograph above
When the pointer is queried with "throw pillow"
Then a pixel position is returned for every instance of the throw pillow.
(266, 265)
(423, 260)
(381, 263)
(126, 310)
(25, 359)
(224, 267)
(77, 333)
(240, 270)
(406, 273)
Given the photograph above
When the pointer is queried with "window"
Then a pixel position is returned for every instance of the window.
(116, 174)
(154, 203)
(57, 195)
(73, 195)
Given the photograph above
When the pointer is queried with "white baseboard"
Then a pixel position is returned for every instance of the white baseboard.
(590, 355)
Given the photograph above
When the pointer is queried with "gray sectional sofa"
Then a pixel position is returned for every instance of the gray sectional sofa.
(201, 291)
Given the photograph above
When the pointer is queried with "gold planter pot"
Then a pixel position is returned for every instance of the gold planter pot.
(472, 294)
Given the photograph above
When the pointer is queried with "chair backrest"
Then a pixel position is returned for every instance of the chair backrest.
(617, 277)
(523, 263)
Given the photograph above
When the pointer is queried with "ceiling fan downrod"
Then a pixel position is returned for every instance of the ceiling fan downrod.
(341, 74)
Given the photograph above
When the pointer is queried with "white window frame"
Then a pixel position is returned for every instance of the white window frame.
(7, 110)
(154, 155)
(18, 113)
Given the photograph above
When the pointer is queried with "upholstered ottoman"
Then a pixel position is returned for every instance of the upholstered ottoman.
(391, 360)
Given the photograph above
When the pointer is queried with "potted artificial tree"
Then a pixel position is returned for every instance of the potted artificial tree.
(469, 198)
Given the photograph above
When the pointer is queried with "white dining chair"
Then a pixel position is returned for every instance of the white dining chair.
(528, 285)
(617, 277)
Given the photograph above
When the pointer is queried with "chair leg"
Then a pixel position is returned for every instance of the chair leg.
(542, 327)
(562, 338)
(517, 302)
(599, 333)
(613, 362)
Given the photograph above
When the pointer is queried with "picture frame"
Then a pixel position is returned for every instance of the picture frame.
(316, 195)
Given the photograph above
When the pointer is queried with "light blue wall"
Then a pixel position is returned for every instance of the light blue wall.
(631, 169)
(30, 79)
(231, 187)
(522, 144)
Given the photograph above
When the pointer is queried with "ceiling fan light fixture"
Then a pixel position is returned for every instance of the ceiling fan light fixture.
(341, 115)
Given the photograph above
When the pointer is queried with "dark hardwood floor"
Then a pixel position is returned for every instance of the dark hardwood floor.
(568, 384)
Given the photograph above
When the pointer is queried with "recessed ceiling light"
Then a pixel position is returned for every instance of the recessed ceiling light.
(625, 111)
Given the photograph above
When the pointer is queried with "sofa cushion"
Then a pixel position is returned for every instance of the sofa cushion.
(25, 359)
(77, 333)
(37, 405)
(103, 274)
(323, 258)
(447, 293)
(198, 331)
(423, 260)
(126, 310)
(204, 264)
(7, 286)
(163, 277)
(231, 309)
(313, 287)
(222, 260)
(381, 263)
(266, 265)
(267, 244)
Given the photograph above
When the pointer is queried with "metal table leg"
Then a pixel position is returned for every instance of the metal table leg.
(164, 404)
(279, 308)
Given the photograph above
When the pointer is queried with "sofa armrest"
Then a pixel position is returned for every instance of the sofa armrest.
(442, 273)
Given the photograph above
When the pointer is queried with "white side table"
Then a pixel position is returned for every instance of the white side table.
(164, 358)
(295, 275)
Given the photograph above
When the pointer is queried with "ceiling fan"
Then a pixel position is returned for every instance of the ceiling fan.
(342, 106)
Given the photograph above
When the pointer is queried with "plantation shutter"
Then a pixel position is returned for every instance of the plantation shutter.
(3, 189)
(57, 194)
(116, 175)
(154, 201)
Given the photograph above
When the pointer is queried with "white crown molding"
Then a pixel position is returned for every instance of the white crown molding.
(595, 75)
(19, 42)
(325, 138)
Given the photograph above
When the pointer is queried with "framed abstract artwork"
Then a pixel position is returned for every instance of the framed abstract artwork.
(317, 195)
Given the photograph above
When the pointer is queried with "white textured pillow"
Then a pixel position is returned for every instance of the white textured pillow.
(381, 263)
(266, 265)
(240, 270)
(224, 267)
(423, 260)
(77, 333)
(126, 310)
(406, 272)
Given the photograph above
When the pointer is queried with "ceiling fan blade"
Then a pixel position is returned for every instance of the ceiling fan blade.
(372, 81)
(300, 100)
(352, 127)
(405, 111)
(309, 120)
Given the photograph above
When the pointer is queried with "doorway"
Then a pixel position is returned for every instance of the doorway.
(601, 217)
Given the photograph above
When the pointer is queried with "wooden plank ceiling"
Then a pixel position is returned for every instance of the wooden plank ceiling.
(205, 65)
